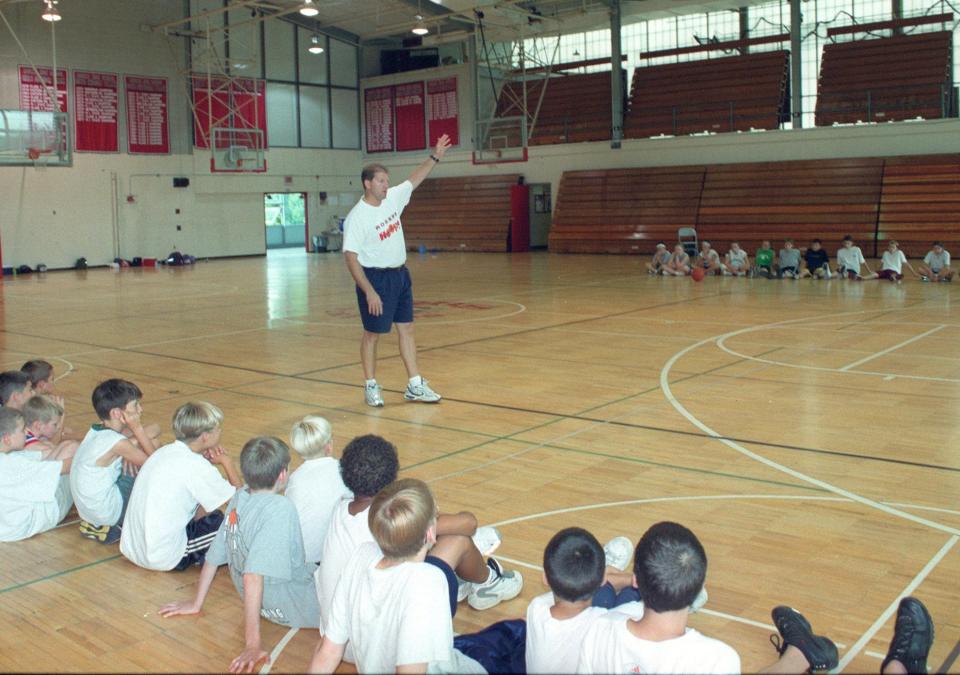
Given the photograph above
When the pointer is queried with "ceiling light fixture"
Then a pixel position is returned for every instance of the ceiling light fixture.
(315, 47)
(309, 9)
(419, 28)
(50, 12)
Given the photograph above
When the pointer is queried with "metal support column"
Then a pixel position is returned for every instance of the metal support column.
(616, 76)
(796, 68)
(896, 12)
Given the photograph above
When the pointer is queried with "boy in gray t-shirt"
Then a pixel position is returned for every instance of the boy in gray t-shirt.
(261, 543)
(789, 262)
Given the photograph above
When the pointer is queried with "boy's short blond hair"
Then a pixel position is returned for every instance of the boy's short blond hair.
(41, 409)
(195, 418)
(400, 516)
(310, 436)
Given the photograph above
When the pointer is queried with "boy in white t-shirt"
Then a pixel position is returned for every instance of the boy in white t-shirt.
(936, 264)
(738, 262)
(43, 419)
(661, 258)
(849, 260)
(891, 264)
(260, 542)
(315, 487)
(103, 469)
(172, 516)
(392, 605)
(669, 570)
(368, 464)
(709, 259)
(34, 493)
(575, 568)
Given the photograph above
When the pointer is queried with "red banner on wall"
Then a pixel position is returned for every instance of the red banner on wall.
(95, 99)
(33, 89)
(239, 103)
(378, 115)
(147, 127)
(443, 113)
(411, 119)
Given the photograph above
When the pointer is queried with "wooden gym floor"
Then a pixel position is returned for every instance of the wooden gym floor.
(805, 430)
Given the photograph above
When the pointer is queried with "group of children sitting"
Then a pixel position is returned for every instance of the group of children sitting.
(345, 546)
(792, 263)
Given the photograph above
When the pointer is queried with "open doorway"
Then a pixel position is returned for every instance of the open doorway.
(285, 219)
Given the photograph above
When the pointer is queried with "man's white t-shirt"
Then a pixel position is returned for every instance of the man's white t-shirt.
(893, 261)
(315, 488)
(850, 258)
(94, 488)
(609, 647)
(937, 261)
(395, 616)
(344, 536)
(171, 483)
(553, 645)
(737, 258)
(28, 494)
(374, 233)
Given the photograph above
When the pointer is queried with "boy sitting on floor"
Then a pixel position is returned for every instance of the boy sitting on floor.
(40, 373)
(261, 545)
(43, 417)
(103, 469)
(15, 389)
(172, 518)
(34, 493)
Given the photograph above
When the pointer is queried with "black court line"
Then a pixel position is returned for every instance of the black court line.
(950, 660)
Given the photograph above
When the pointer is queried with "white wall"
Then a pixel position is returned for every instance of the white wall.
(55, 215)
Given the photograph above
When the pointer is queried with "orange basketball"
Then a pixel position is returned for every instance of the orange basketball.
(697, 274)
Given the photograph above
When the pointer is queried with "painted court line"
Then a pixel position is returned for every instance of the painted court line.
(888, 612)
(278, 650)
(895, 347)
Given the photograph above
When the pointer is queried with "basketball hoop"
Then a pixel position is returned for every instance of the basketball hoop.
(33, 154)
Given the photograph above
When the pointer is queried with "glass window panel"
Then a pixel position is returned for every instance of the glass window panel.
(313, 67)
(346, 118)
(281, 115)
(278, 49)
(315, 117)
(343, 64)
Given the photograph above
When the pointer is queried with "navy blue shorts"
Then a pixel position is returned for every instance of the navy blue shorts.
(396, 292)
(452, 584)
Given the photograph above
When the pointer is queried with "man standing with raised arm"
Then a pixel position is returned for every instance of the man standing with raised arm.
(375, 252)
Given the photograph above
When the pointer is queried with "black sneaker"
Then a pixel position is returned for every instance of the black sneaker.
(795, 631)
(912, 637)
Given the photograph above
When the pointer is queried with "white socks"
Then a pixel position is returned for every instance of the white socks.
(371, 383)
(416, 381)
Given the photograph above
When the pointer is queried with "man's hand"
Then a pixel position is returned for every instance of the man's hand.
(177, 608)
(249, 659)
(374, 303)
(443, 144)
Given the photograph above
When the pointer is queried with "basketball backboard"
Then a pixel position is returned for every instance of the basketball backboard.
(34, 138)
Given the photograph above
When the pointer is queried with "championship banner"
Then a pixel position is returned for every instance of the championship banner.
(239, 103)
(33, 90)
(147, 125)
(95, 99)
(443, 113)
(378, 116)
(409, 108)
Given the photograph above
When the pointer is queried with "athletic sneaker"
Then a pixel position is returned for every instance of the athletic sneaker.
(924, 278)
(699, 601)
(464, 589)
(500, 586)
(618, 552)
(912, 637)
(372, 394)
(422, 393)
(105, 534)
(487, 540)
(795, 631)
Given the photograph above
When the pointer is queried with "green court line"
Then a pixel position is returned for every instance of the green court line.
(58, 574)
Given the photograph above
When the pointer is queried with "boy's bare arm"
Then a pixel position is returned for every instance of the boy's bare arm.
(207, 575)
(412, 668)
(253, 654)
(326, 657)
(133, 423)
(463, 523)
(219, 456)
(125, 450)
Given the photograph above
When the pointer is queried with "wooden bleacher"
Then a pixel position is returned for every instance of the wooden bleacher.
(460, 214)
(575, 108)
(884, 79)
(920, 203)
(802, 200)
(719, 95)
(624, 210)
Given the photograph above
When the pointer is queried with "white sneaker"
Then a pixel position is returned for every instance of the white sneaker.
(618, 552)
(487, 540)
(373, 395)
(699, 601)
(421, 393)
(464, 589)
(500, 586)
